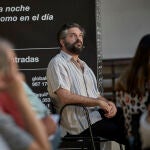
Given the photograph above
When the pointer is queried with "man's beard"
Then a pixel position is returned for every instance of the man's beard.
(73, 48)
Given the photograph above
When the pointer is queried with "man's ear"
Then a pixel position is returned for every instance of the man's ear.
(62, 43)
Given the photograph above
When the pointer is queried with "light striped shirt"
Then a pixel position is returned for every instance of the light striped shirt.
(63, 72)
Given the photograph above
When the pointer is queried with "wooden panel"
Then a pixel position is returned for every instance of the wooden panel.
(112, 68)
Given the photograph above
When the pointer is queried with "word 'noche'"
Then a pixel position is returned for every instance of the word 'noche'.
(27, 59)
(17, 8)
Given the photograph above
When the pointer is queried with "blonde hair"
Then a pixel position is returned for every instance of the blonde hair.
(4, 60)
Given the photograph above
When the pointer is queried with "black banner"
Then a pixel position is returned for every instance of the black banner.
(32, 27)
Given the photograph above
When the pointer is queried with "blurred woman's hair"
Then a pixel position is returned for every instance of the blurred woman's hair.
(136, 78)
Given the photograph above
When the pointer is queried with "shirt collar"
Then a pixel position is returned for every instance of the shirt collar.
(69, 57)
(65, 55)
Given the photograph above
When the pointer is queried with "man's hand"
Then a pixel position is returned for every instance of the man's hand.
(104, 106)
(112, 111)
(109, 107)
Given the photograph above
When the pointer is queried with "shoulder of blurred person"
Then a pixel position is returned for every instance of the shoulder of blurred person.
(37, 105)
(144, 130)
(9, 106)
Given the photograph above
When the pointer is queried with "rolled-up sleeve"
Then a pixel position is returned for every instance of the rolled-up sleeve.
(57, 76)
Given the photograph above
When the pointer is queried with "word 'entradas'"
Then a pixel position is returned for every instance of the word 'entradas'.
(28, 59)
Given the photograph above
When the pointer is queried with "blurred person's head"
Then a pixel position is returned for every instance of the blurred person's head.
(7, 63)
(142, 55)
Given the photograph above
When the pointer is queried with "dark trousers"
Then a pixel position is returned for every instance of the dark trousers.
(109, 128)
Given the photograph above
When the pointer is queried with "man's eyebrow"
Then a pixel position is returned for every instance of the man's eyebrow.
(75, 33)
(71, 33)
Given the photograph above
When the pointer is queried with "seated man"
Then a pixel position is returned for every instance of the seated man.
(71, 81)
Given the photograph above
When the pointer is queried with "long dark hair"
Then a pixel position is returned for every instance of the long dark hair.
(138, 73)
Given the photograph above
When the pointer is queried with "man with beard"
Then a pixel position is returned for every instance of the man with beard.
(71, 81)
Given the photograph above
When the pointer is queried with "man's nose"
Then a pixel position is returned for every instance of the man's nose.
(79, 38)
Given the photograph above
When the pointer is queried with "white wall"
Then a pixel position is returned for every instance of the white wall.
(124, 22)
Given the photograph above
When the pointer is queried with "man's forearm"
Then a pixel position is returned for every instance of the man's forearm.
(102, 98)
(69, 98)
